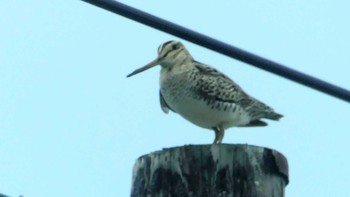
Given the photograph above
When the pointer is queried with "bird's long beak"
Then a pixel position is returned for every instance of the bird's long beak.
(148, 66)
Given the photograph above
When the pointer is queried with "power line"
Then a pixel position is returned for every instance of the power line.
(221, 47)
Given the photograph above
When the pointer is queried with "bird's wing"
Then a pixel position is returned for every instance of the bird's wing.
(165, 107)
(216, 86)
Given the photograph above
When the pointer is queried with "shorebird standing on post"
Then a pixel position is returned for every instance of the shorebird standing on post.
(203, 95)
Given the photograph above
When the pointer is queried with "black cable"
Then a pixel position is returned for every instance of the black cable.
(221, 47)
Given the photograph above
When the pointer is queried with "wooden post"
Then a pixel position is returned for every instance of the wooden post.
(211, 170)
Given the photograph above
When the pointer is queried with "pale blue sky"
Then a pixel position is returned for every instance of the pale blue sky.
(72, 124)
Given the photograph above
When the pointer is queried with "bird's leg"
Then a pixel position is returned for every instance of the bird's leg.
(216, 129)
(219, 135)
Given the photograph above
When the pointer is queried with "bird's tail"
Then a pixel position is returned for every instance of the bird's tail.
(261, 110)
(274, 116)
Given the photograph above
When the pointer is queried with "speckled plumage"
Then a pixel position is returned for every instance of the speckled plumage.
(203, 95)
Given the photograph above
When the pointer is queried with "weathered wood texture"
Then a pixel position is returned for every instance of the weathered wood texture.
(211, 170)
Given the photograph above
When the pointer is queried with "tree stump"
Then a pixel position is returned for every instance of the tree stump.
(211, 170)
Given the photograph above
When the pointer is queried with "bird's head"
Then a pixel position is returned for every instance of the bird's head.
(169, 54)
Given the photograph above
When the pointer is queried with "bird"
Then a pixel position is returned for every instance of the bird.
(203, 95)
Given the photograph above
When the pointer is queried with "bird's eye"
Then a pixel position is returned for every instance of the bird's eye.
(175, 46)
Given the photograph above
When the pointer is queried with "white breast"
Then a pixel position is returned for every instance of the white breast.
(176, 90)
(200, 114)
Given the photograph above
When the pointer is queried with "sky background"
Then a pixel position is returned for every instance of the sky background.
(72, 124)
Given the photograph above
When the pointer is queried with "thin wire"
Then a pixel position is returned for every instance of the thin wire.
(221, 47)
